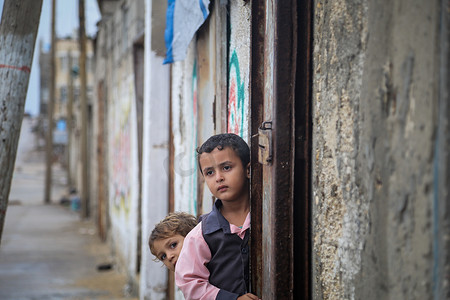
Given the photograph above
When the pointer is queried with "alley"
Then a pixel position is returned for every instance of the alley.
(47, 251)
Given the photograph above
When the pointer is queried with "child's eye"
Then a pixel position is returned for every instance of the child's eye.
(209, 173)
(163, 257)
(173, 245)
(227, 168)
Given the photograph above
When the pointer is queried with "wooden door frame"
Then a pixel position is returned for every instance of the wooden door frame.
(281, 93)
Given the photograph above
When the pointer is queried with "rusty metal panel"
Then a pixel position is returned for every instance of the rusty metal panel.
(277, 231)
(303, 146)
(268, 285)
(256, 118)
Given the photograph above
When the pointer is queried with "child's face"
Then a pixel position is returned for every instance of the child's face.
(224, 174)
(167, 250)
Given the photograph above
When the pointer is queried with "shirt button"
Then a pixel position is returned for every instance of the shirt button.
(244, 250)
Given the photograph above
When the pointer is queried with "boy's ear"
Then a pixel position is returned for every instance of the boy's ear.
(248, 170)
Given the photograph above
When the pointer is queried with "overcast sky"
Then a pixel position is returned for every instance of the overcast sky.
(66, 24)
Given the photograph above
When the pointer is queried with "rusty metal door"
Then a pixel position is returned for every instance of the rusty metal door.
(281, 147)
(303, 149)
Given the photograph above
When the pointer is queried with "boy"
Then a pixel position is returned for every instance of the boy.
(166, 239)
(214, 261)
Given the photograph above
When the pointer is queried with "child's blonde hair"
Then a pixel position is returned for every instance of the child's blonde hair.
(175, 223)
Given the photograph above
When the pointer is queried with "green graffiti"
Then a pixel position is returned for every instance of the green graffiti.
(193, 143)
(236, 97)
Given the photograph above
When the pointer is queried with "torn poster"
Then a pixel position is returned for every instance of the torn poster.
(183, 19)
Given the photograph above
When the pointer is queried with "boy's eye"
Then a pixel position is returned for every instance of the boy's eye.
(209, 173)
(227, 168)
(173, 245)
(163, 257)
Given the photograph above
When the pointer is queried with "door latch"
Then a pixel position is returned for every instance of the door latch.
(265, 143)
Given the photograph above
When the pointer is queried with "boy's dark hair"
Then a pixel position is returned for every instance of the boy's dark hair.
(223, 140)
(174, 223)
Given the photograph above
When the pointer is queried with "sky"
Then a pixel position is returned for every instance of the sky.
(66, 24)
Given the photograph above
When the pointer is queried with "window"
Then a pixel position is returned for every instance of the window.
(63, 94)
(63, 61)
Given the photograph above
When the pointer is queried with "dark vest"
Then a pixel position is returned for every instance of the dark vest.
(229, 264)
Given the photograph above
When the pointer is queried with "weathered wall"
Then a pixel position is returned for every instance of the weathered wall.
(239, 68)
(209, 95)
(155, 164)
(375, 96)
(184, 130)
(117, 33)
(198, 105)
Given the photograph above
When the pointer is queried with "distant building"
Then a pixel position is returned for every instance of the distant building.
(66, 72)
(65, 49)
(44, 66)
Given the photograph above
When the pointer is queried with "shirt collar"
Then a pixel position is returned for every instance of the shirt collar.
(216, 221)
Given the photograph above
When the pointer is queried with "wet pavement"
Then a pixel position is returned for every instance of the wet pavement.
(47, 251)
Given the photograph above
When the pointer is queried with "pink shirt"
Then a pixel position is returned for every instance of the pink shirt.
(191, 273)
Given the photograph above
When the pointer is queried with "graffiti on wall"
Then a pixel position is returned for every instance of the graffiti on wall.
(185, 111)
(236, 97)
(121, 166)
(193, 142)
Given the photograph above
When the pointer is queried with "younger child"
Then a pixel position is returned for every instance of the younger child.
(166, 239)
(214, 261)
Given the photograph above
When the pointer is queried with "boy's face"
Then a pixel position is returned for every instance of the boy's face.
(167, 250)
(224, 174)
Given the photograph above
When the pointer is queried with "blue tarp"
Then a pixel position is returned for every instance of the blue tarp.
(183, 19)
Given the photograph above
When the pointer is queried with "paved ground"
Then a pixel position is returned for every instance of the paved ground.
(47, 251)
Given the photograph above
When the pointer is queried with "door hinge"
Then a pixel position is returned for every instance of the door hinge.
(265, 143)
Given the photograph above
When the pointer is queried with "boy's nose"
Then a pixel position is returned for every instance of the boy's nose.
(219, 177)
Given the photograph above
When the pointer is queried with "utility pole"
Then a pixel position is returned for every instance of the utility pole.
(83, 103)
(69, 120)
(50, 108)
(18, 30)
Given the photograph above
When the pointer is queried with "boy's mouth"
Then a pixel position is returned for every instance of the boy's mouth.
(222, 188)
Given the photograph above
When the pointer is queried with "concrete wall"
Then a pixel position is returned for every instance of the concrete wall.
(198, 106)
(379, 209)
(376, 101)
(200, 86)
(184, 130)
(117, 33)
(155, 164)
(239, 68)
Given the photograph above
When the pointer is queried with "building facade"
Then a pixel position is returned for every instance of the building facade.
(345, 108)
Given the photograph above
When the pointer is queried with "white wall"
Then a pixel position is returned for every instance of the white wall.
(184, 114)
(154, 162)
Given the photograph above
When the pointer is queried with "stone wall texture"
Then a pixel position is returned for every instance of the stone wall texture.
(377, 92)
